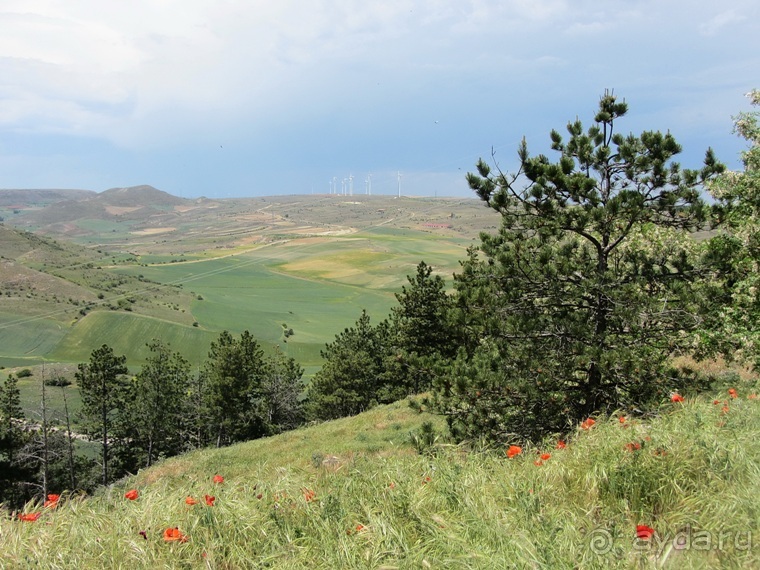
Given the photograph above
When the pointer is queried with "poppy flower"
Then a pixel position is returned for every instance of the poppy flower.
(359, 527)
(716, 402)
(174, 535)
(210, 500)
(732, 393)
(545, 456)
(218, 479)
(724, 409)
(621, 419)
(29, 517)
(644, 532)
(514, 450)
(426, 480)
(190, 501)
(561, 444)
(52, 501)
(633, 446)
(309, 495)
(538, 463)
(132, 495)
(587, 423)
(676, 397)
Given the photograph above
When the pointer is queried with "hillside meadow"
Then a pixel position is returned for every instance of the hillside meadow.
(678, 489)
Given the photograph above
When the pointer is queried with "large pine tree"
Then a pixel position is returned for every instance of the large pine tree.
(575, 305)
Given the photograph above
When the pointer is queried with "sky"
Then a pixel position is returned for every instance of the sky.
(231, 98)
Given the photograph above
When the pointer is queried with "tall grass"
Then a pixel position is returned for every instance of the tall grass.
(352, 494)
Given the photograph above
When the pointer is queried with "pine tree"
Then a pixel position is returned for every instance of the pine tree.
(232, 390)
(159, 404)
(103, 389)
(574, 307)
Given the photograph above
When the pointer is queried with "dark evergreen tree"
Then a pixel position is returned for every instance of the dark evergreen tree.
(159, 405)
(574, 307)
(281, 393)
(103, 389)
(350, 380)
(13, 437)
(232, 392)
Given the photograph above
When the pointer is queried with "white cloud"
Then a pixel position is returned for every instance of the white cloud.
(719, 22)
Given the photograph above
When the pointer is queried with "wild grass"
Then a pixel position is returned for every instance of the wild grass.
(352, 494)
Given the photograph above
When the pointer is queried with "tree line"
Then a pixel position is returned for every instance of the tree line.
(575, 307)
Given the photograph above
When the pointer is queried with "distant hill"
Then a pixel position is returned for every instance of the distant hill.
(132, 203)
(144, 195)
(19, 198)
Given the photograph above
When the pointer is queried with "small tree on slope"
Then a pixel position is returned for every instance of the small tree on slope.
(575, 305)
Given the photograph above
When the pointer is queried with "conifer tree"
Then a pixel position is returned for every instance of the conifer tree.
(103, 388)
(574, 307)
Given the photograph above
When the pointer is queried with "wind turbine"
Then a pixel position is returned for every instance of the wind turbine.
(399, 184)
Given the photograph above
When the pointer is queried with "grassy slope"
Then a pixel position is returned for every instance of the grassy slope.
(382, 506)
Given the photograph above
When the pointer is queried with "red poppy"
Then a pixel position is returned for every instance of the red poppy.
(359, 527)
(514, 450)
(190, 501)
(732, 393)
(644, 532)
(218, 479)
(621, 419)
(538, 463)
(174, 535)
(52, 501)
(210, 500)
(545, 456)
(716, 402)
(676, 397)
(587, 423)
(309, 495)
(724, 409)
(561, 444)
(633, 446)
(132, 495)
(29, 517)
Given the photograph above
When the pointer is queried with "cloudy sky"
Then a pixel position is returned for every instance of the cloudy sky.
(251, 97)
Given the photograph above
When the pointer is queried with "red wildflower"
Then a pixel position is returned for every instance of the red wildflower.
(309, 495)
(561, 444)
(587, 423)
(426, 480)
(633, 446)
(132, 495)
(190, 501)
(538, 463)
(724, 409)
(644, 532)
(359, 527)
(29, 517)
(391, 485)
(218, 479)
(514, 450)
(52, 501)
(676, 397)
(210, 500)
(732, 393)
(716, 402)
(174, 535)
(621, 419)
(546, 456)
